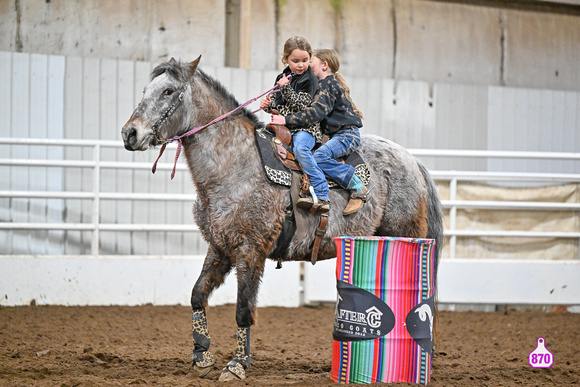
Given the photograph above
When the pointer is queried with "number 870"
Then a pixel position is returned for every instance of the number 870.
(543, 358)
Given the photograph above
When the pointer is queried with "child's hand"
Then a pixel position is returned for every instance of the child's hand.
(283, 81)
(278, 119)
(264, 103)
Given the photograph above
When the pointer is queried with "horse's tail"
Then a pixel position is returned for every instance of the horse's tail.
(434, 231)
(434, 213)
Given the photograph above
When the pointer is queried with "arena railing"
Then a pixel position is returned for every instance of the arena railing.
(452, 177)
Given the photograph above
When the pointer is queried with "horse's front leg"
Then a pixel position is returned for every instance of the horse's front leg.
(215, 268)
(249, 267)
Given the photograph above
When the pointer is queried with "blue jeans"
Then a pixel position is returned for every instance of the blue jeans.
(303, 143)
(342, 143)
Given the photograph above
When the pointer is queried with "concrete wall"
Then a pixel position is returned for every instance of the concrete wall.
(412, 39)
(166, 281)
(148, 30)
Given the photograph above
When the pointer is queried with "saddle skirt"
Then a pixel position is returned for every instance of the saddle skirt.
(279, 173)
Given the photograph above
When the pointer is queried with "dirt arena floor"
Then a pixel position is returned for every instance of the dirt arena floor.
(147, 345)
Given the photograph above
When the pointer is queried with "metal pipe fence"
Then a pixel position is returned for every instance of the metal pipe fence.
(97, 196)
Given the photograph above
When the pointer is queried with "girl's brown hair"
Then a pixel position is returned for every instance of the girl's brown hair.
(293, 43)
(330, 56)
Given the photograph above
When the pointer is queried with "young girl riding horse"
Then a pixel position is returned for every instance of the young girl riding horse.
(340, 119)
(298, 85)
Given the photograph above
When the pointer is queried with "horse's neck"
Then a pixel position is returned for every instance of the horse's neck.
(218, 146)
(219, 159)
(214, 155)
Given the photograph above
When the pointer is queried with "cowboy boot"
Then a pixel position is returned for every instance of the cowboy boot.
(356, 201)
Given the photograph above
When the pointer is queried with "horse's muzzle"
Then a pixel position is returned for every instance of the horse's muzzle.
(129, 134)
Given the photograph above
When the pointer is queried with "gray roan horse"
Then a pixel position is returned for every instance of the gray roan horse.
(240, 213)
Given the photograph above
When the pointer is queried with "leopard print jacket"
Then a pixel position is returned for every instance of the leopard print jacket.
(295, 102)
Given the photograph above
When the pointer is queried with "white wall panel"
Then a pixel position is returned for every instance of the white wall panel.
(533, 120)
(5, 131)
(73, 124)
(320, 281)
(411, 120)
(509, 282)
(91, 122)
(168, 280)
(20, 127)
(38, 129)
(108, 102)
(461, 123)
(367, 95)
(111, 280)
(125, 95)
(478, 281)
(55, 130)
(386, 127)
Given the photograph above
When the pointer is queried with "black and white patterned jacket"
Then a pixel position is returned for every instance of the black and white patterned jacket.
(330, 107)
(295, 97)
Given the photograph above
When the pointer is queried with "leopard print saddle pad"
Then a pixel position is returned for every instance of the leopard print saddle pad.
(278, 173)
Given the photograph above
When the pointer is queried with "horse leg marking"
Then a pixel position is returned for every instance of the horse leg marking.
(201, 340)
(250, 267)
(242, 358)
(243, 354)
(212, 275)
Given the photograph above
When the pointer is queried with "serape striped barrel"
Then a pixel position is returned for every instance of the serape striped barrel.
(383, 323)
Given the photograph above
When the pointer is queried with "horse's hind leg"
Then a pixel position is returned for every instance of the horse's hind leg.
(249, 271)
(214, 270)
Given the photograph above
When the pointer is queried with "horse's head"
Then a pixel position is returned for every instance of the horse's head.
(162, 112)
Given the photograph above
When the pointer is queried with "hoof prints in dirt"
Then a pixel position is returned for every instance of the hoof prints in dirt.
(102, 359)
(88, 346)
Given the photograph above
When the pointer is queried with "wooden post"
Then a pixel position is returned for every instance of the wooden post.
(245, 34)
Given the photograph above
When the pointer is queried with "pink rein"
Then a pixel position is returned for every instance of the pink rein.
(195, 130)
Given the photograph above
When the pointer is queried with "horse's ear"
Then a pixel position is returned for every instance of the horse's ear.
(193, 66)
(172, 61)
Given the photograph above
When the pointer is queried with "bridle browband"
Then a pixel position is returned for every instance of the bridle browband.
(179, 138)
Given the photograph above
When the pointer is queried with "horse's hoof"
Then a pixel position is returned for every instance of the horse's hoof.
(203, 366)
(201, 371)
(228, 376)
(233, 371)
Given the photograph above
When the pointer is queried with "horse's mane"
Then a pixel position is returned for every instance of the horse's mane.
(181, 72)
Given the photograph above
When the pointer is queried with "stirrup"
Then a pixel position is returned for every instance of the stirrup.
(322, 206)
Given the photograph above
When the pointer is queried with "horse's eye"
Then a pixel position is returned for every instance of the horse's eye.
(168, 92)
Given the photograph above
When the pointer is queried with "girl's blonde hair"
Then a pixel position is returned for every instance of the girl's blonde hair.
(330, 56)
(293, 43)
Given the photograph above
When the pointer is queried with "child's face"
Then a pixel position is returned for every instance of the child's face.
(317, 66)
(298, 61)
